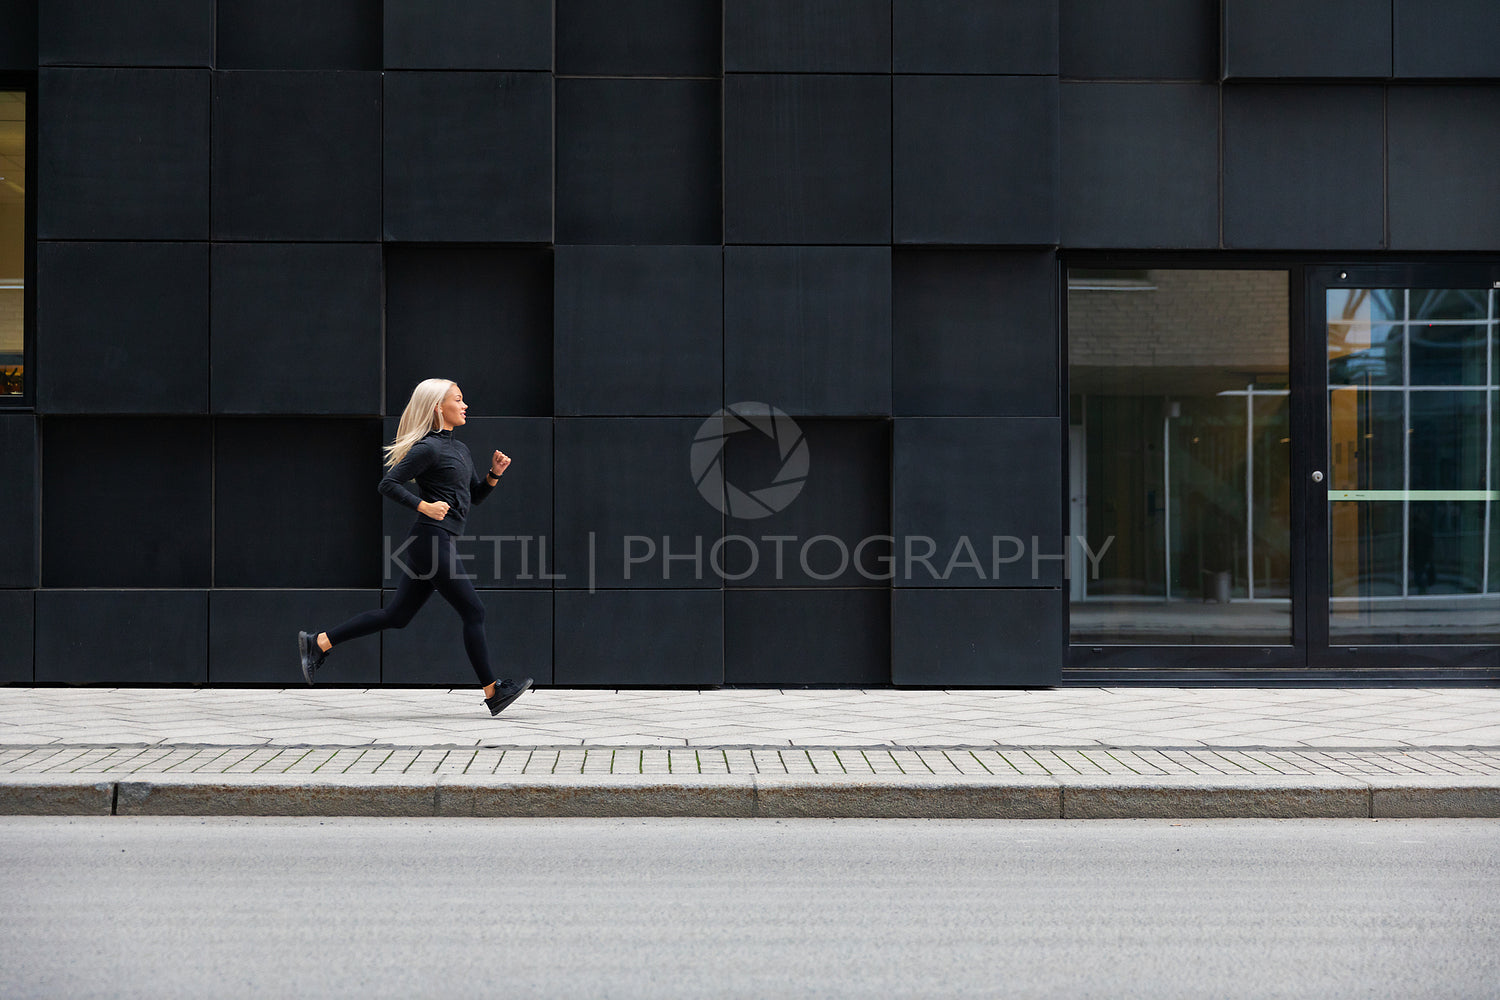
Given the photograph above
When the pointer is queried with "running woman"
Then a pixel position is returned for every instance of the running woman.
(425, 450)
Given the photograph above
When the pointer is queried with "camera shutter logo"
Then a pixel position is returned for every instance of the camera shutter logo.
(708, 460)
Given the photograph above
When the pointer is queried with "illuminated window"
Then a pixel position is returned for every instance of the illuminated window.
(12, 240)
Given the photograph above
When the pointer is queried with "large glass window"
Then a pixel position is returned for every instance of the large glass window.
(1412, 481)
(12, 241)
(1180, 457)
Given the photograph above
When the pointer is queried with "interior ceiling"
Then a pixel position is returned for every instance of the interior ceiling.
(12, 146)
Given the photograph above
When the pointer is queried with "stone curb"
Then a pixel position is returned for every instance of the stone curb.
(783, 796)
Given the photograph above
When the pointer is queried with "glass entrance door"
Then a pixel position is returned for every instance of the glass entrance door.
(1404, 555)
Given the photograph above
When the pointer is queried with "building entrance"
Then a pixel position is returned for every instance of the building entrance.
(1284, 468)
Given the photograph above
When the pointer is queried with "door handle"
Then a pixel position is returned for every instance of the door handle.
(1317, 477)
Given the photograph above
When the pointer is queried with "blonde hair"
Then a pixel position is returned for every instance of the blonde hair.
(419, 418)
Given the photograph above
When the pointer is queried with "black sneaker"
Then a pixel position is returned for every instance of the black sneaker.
(311, 653)
(506, 692)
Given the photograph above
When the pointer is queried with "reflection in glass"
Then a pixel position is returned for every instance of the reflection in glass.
(1412, 482)
(12, 240)
(1179, 443)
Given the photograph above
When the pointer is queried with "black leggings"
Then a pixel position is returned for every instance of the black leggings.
(433, 562)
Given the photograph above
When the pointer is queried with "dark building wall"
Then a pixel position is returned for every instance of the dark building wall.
(261, 222)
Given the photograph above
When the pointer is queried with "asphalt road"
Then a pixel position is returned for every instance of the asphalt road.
(115, 907)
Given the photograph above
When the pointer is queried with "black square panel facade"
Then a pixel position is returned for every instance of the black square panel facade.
(638, 161)
(21, 474)
(294, 34)
(977, 638)
(1139, 39)
(959, 183)
(1139, 165)
(297, 503)
(296, 156)
(807, 159)
(128, 501)
(252, 636)
(1303, 167)
(833, 532)
(974, 333)
(131, 636)
(507, 539)
(640, 38)
(978, 502)
(18, 625)
(430, 649)
(124, 328)
(808, 329)
(468, 157)
(141, 33)
(627, 512)
(18, 31)
(124, 154)
(976, 36)
(481, 316)
(1447, 38)
(639, 330)
(791, 36)
(468, 34)
(788, 637)
(639, 637)
(296, 328)
(1292, 38)
(1442, 176)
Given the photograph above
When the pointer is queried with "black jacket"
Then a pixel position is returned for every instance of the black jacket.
(444, 470)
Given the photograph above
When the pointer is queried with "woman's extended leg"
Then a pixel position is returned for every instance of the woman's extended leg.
(458, 590)
(412, 591)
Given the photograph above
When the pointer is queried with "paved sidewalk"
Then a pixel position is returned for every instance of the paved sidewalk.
(1058, 752)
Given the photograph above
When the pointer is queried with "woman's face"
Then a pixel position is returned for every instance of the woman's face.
(453, 409)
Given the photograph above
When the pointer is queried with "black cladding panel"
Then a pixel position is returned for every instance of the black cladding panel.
(1447, 39)
(641, 38)
(20, 500)
(132, 636)
(296, 503)
(296, 156)
(1442, 177)
(295, 34)
(296, 328)
(140, 33)
(468, 34)
(128, 501)
(481, 316)
(446, 179)
(974, 333)
(123, 328)
(807, 637)
(1139, 39)
(791, 36)
(977, 502)
(1139, 165)
(651, 638)
(1293, 38)
(1304, 167)
(976, 159)
(808, 329)
(640, 330)
(124, 154)
(638, 162)
(807, 159)
(977, 638)
(1018, 37)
